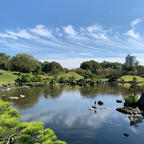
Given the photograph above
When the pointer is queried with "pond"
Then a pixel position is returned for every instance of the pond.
(65, 109)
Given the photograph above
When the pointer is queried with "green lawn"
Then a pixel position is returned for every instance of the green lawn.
(7, 77)
(127, 78)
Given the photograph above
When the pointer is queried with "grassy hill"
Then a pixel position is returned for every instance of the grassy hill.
(127, 78)
(7, 77)
(70, 74)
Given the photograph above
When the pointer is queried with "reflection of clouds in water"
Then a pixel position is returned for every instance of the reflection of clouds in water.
(72, 118)
(134, 130)
(46, 118)
(98, 119)
(37, 117)
(131, 128)
(26, 117)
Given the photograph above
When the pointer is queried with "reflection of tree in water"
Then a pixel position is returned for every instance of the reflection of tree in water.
(93, 91)
(135, 120)
(52, 91)
(131, 100)
(32, 97)
(71, 88)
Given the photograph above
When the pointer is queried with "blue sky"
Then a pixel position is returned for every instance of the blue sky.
(72, 31)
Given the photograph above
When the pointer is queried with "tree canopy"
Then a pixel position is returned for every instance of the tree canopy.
(24, 63)
(12, 131)
(90, 65)
(52, 67)
(4, 61)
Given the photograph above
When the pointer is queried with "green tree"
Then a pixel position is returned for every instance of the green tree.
(128, 68)
(12, 131)
(90, 65)
(62, 80)
(52, 67)
(45, 67)
(113, 65)
(25, 78)
(71, 79)
(4, 61)
(24, 63)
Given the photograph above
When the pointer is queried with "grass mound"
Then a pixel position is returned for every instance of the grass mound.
(127, 78)
(70, 74)
(7, 77)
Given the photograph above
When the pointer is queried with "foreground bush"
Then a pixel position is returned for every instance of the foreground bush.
(12, 131)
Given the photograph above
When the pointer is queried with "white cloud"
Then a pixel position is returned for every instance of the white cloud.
(41, 30)
(132, 34)
(5, 35)
(69, 30)
(94, 28)
(94, 31)
(21, 33)
(71, 47)
(99, 36)
(135, 22)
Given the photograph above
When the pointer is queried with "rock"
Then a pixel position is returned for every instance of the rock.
(103, 108)
(95, 111)
(47, 96)
(22, 96)
(94, 107)
(128, 110)
(91, 108)
(8, 89)
(100, 102)
(125, 134)
(13, 98)
(119, 101)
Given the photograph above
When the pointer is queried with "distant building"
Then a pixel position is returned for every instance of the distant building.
(130, 60)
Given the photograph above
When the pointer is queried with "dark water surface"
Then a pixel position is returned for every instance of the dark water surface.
(65, 110)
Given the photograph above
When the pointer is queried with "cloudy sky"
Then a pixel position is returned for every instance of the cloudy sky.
(72, 31)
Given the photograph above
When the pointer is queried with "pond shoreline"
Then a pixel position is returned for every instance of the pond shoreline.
(87, 83)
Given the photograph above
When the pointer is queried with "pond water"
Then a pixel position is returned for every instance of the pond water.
(65, 109)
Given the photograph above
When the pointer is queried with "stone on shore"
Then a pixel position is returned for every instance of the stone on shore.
(125, 134)
(100, 102)
(94, 107)
(119, 101)
(91, 108)
(129, 110)
(22, 96)
(13, 98)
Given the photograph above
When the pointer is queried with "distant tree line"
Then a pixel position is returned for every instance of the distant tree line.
(109, 69)
(89, 69)
(27, 63)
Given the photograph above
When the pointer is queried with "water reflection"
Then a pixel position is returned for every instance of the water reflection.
(135, 120)
(65, 109)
